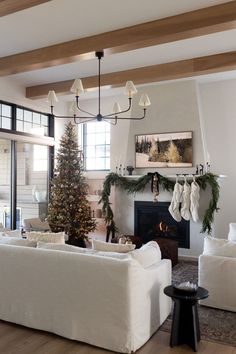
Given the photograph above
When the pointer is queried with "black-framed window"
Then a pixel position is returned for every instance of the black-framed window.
(25, 120)
(32, 122)
(96, 146)
(5, 116)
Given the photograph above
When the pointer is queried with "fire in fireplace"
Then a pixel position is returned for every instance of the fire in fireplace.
(153, 220)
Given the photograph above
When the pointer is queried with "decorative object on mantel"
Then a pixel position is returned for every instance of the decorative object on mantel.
(133, 186)
(130, 170)
(155, 186)
(77, 88)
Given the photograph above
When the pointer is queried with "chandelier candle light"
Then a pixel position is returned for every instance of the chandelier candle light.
(77, 89)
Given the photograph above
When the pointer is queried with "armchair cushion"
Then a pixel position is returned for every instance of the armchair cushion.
(219, 247)
(232, 232)
(35, 224)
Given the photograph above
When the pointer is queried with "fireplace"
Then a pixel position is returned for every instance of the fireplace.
(153, 220)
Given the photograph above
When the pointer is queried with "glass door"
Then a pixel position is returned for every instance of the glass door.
(5, 183)
(32, 181)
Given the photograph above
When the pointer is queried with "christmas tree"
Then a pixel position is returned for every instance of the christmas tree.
(69, 208)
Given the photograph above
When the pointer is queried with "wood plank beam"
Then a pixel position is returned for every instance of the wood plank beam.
(155, 73)
(187, 25)
(8, 7)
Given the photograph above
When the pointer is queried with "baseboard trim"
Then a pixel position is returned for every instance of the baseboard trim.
(188, 258)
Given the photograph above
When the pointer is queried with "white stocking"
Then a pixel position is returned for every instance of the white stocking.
(185, 207)
(175, 202)
(194, 200)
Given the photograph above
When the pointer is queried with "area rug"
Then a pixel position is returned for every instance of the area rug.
(216, 325)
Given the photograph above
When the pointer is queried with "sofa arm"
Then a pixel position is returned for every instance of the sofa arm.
(217, 275)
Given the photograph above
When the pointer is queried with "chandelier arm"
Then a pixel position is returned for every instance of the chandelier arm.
(126, 118)
(124, 111)
(87, 119)
(112, 123)
(82, 110)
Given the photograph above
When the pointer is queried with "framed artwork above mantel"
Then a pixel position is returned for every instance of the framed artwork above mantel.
(164, 150)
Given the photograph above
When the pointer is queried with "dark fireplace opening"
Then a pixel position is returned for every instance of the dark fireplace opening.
(153, 220)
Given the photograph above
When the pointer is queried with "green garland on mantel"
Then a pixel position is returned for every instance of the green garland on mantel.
(138, 185)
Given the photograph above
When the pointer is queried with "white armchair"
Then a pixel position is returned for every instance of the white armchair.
(217, 269)
(35, 224)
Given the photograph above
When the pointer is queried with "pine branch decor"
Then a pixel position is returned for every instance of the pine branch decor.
(133, 186)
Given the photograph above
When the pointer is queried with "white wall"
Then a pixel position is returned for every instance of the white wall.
(219, 112)
(174, 108)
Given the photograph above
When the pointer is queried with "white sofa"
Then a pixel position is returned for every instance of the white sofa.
(111, 303)
(217, 269)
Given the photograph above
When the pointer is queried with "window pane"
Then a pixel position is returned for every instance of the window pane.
(91, 139)
(107, 164)
(90, 151)
(101, 164)
(100, 128)
(19, 125)
(19, 113)
(40, 158)
(36, 118)
(100, 151)
(6, 123)
(107, 138)
(27, 127)
(100, 138)
(91, 128)
(28, 116)
(91, 164)
(6, 110)
(108, 150)
(44, 120)
(37, 129)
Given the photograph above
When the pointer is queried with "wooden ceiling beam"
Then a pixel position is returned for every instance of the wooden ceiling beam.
(155, 73)
(187, 25)
(8, 7)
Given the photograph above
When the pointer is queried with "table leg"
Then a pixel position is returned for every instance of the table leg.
(185, 324)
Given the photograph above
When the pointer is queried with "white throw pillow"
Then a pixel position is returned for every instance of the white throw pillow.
(52, 237)
(16, 241)
(219, 247)
(148, 254)
(63, 247)
(12, 233)
(112, 247)
(232, 232)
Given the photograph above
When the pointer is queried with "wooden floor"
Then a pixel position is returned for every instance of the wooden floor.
(20, 340)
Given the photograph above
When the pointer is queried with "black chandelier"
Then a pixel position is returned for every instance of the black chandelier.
(77, 88)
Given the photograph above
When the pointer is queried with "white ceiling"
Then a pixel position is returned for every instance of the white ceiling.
(63, 20)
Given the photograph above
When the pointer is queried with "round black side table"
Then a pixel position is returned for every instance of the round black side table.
(185, 323)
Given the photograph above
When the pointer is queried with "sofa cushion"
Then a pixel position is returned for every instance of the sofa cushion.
(63, 247)
(52, 237)
(16, 241)
(232, 232)
(148, 254)
(12, 233)
(219, 247)
(112, 247)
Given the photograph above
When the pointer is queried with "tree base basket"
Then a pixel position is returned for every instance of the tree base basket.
(79, 242)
